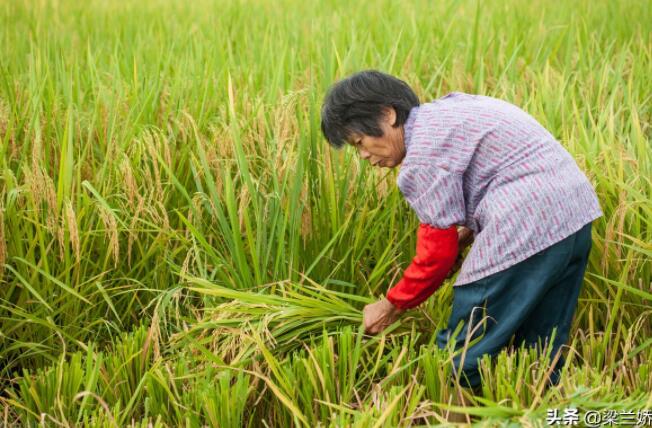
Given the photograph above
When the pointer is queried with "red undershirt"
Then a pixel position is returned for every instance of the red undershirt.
(436, 253)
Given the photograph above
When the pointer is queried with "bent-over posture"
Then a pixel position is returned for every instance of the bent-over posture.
(472, 164)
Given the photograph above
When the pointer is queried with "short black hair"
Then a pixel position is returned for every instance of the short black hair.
(356, 104)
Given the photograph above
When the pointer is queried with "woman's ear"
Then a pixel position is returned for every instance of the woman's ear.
(390, 116)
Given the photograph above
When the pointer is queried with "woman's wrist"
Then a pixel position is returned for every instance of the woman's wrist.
(391, 307)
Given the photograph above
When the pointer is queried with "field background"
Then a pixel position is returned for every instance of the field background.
(179, 246)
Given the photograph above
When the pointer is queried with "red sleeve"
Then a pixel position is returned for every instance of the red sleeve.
(435, 256)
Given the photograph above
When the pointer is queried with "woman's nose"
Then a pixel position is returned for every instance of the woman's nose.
(364, 154)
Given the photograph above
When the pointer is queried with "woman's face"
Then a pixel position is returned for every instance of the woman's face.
(387, 151)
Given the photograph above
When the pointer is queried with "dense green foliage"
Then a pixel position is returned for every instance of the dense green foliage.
(178, 245)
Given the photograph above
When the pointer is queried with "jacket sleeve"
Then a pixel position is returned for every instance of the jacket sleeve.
(435, 255)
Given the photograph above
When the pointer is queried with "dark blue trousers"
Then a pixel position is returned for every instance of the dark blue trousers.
(525, 301)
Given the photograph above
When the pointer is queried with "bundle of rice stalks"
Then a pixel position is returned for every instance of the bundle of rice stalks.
(284, 315)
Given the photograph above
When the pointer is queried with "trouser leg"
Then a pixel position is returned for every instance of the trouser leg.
(500, 303)
(558, 305)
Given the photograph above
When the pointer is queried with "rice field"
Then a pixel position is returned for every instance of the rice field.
(180, 247)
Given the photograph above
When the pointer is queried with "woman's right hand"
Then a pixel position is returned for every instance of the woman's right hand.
(464, 239)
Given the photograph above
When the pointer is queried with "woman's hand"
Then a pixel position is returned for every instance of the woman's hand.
(380, 315)
(464, 239)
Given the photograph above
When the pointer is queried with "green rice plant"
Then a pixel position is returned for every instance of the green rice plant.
(50, 395)
(122, 385)
(168, 178)
(183, 392)
(126, 371)
(225, 404)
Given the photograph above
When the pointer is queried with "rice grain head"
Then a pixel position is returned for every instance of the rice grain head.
(111, 227)
(41, 188)
(243, 206)
(132, 234)
(162, 218)
(151, 144)
(185, 266)
(73, 230)
(130, 185)
(4, 119)
(217, 148)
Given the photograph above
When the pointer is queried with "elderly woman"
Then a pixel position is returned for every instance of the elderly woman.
(472, 163)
